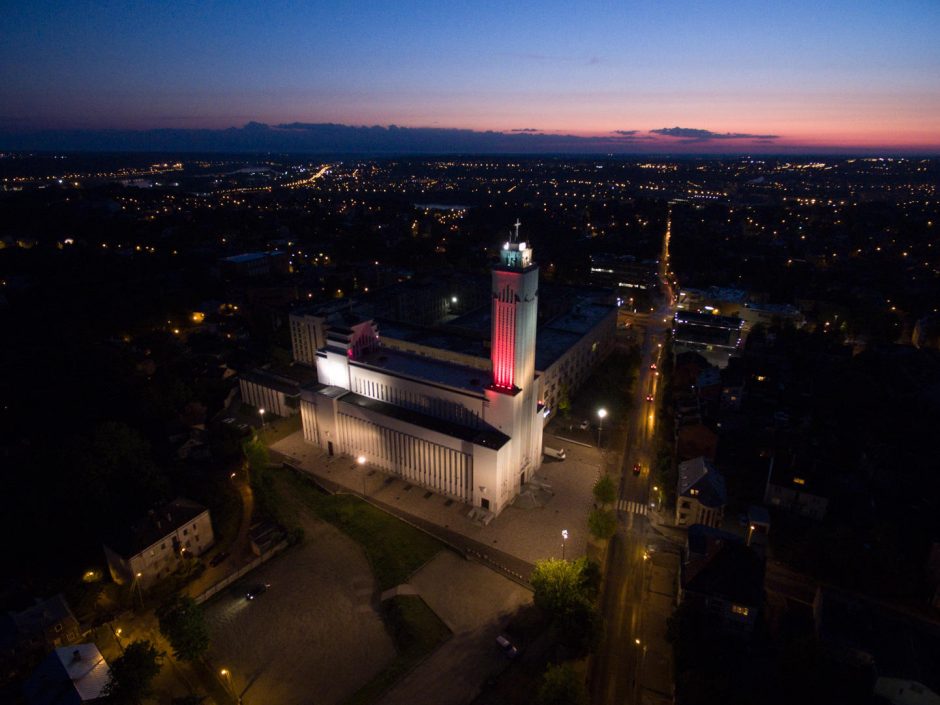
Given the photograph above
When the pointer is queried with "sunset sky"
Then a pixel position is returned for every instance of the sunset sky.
(778, 74)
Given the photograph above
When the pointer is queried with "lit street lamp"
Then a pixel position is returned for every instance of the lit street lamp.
(602, 414)
(261, 413)
(564, 540)
(227, 679)
(362, 462)
(140, 593)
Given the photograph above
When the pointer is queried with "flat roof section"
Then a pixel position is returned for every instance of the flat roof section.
(426, 369)
(272, 381)
(488, 437)
(581, 319)
(432, 338)
(551, 344)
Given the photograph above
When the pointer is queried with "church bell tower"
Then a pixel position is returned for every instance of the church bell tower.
(513, 394)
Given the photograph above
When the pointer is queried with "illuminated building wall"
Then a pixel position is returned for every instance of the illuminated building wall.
(447, 426)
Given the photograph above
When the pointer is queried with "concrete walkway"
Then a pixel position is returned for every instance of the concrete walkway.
(559, 498)
(474, 603)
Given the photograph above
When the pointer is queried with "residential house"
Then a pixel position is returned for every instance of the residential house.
(156, 546)
(723, 578)
(694, 440)
(700, 495)
(899, 652)
(46, 624)
(795, 486)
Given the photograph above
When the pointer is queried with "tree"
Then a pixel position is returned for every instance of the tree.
(565, 591)
(602, 523)
(564, 402)
(605, 491)
(561, 685)
(256, 453)
(132, 673)
(182, 622)
(557, 584)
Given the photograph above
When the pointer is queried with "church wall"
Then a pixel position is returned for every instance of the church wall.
(410, 394)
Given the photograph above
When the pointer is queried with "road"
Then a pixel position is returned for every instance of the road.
(618, 667)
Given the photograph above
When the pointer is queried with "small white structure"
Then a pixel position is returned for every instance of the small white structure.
(900, 691)
(155, 547)
(70, 675)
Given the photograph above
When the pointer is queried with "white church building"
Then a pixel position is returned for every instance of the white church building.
(468, 433)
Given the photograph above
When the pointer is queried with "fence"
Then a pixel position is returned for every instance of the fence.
(241, 572)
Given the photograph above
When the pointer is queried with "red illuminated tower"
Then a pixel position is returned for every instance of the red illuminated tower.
(515, 302)
(513, 394)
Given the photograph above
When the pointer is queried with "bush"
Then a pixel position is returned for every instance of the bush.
(605, 491)
(602, 523)
(561, 685)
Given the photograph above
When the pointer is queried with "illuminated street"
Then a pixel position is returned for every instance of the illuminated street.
(634, 655)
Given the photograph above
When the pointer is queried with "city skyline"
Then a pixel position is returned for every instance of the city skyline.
(670, 78)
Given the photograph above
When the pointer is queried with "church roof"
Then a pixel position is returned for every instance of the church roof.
(487, 437)
(427, 369)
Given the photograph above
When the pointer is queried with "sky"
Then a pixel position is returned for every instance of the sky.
(708, 75)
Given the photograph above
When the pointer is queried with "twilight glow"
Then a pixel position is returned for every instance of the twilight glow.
(759, 76)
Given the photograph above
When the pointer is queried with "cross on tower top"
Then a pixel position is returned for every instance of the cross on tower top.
(515, 237)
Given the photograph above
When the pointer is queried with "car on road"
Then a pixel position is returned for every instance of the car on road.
(507, 646)
(653, 366)
(218, 558)
(257, 590)
(649, 397)
(636, 468)
(585, 425)
(228, 420)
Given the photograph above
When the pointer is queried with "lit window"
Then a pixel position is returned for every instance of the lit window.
(693, 492)
(740, 609)
(799, 481)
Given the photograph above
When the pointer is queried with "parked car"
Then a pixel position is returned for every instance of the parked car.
(558, 454)
(585, 425)
(218, 558)
(257, 590)
(507, 647)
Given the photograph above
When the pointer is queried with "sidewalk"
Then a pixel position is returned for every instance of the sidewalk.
(516, 538)
(657, 674)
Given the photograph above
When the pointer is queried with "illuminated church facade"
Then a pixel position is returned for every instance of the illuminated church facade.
(472, 433)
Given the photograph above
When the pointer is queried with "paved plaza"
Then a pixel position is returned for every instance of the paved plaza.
(474, 602)
(315, 635)
(558, 498)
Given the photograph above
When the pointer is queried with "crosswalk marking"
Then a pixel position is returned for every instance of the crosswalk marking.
(630, 507)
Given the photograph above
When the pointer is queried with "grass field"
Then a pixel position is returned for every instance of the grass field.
(417, 632)
(394, 549)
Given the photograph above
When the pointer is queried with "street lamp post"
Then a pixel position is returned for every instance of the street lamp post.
(601, 414)
(261, 413)
(564, 540)
(140, 592)
(362, 462)
(227, 678)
